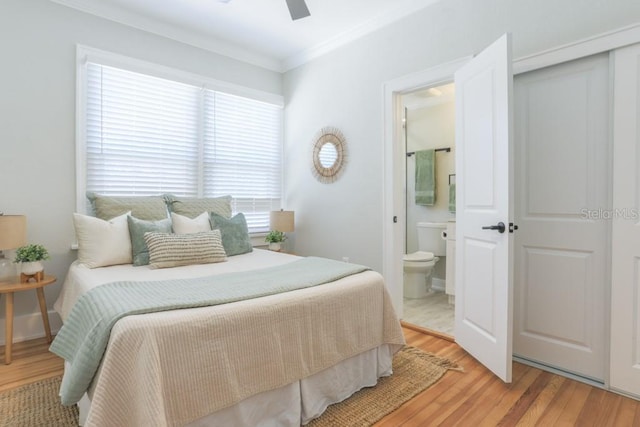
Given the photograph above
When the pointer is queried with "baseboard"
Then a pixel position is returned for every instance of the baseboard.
(438, 284)
(29, 326)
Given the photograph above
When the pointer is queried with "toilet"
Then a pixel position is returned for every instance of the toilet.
(419, 265)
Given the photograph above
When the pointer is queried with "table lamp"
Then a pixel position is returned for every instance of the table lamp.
(281, 221)
(13, 234)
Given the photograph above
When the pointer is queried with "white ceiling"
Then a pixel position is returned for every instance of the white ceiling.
(430, 97)
(260, 32)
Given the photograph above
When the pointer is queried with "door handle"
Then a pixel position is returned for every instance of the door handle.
(500, 227)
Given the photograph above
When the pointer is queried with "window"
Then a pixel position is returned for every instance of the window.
(143, 134)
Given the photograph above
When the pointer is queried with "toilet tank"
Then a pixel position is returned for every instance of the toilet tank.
(430, 238)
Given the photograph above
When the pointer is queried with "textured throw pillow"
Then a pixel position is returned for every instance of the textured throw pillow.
(137, 228)
(173, 250)
(150, 208)
(185, 225)
(235, 234)
(102, 243)
(192, 207)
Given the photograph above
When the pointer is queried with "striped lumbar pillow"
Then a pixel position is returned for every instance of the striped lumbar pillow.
(173, 250)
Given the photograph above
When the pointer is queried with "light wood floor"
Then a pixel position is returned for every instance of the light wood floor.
(471, 398)
(31, 362)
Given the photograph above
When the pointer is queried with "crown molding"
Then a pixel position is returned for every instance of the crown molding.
(172, 32)
(235, 51)
(353, 34)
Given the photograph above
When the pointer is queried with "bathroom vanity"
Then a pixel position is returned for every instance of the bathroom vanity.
(450, 287)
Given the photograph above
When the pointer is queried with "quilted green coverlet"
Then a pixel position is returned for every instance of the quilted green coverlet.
(83, 338)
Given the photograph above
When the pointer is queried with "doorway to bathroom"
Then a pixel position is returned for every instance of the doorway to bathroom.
(429, 141)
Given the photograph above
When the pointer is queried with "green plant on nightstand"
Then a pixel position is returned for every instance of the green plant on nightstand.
(31, 253)
(30, 258)
(275, 239)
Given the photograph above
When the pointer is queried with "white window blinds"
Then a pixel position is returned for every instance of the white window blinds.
(147, 136)
(242, 154)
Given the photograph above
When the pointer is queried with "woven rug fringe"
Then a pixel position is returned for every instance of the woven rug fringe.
(436, 360)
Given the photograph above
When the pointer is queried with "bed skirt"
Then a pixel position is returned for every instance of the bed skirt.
(301, 401)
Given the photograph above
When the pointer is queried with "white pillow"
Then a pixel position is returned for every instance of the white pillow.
(184, 225)
(102, 243)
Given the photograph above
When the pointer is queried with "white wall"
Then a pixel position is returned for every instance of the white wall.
(37, 119)
(344, 89)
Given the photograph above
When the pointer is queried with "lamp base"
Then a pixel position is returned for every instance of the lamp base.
(7, 268)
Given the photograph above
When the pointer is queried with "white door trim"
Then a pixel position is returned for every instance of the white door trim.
(624, 366)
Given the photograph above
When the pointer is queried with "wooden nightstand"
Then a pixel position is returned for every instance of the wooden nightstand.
(14, 285)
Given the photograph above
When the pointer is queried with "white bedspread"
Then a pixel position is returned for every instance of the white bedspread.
(174, 367)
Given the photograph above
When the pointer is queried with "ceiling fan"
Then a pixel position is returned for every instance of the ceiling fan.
(297, 8)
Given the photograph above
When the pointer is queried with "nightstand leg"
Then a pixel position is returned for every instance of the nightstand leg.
(45, 315)
(8, 335)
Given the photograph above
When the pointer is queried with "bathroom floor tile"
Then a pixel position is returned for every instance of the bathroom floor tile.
(433, 312)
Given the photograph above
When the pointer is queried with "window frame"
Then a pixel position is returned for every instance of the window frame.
(85, 54)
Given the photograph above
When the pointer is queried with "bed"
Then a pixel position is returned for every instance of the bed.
(274, 360)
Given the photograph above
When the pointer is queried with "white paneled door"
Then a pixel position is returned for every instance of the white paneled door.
(562, 186)
(625, 287)
(483, 168)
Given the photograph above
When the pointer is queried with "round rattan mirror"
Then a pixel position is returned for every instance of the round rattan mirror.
(329, 155)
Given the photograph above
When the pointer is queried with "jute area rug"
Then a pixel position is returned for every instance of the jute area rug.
(414, 370)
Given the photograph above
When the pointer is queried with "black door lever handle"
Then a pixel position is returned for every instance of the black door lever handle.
(500, 227)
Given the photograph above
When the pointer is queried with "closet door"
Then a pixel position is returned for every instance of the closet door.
(562, 186)
(625, 287)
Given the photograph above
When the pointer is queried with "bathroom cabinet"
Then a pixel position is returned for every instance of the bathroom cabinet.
(450, 287)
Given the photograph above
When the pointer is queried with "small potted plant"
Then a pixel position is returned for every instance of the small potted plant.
(275, 239)
(30, 258)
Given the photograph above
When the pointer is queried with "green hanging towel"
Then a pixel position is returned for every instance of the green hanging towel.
(452, 198)
(426, 177)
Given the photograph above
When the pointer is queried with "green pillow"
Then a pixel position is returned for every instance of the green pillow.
(192, 207)
(151, 208)
(137, 228)
(234, 231)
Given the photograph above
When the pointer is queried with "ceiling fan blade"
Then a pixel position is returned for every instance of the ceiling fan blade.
(298, 9)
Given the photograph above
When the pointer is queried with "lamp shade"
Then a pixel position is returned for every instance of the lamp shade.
(281, 221)
(13, 231)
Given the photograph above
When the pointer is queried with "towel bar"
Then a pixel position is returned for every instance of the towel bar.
(446, 149)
